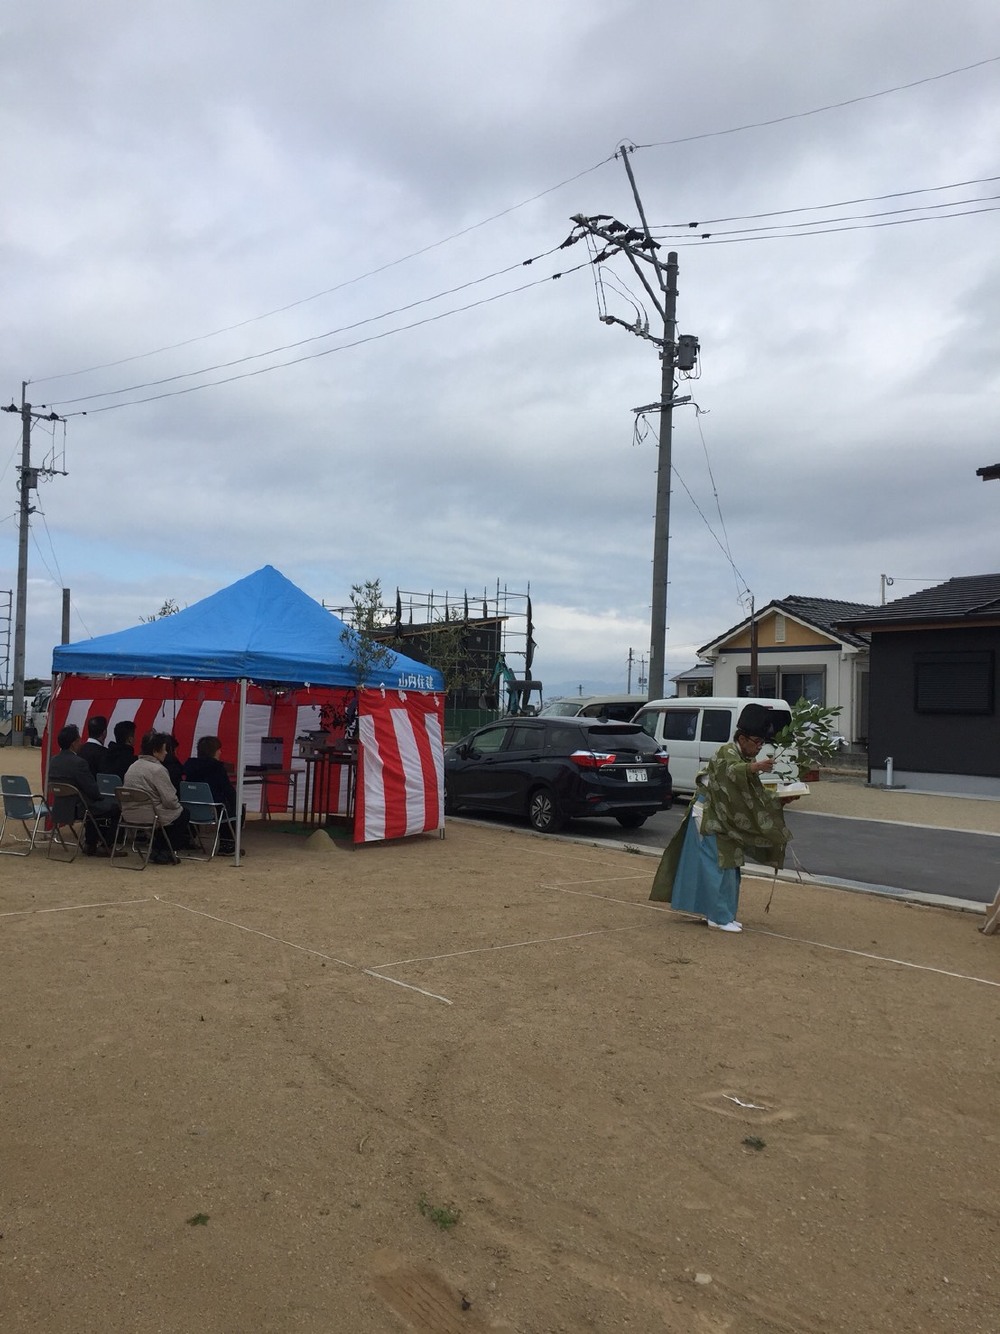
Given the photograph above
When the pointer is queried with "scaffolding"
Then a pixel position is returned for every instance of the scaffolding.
(6, 621)
(491, 650)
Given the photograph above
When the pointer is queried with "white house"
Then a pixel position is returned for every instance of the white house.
(801, 654)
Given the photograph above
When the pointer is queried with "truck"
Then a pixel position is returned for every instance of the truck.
(35, 713)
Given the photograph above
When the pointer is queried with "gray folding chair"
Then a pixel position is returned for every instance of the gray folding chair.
(68, 810)
(138, 816)
(206, 814)
(20, 803)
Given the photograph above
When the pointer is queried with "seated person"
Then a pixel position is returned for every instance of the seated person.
(68, 766)
(147, 774)
(172, 764)
(121, 751)
(93, 749)
(205, 766)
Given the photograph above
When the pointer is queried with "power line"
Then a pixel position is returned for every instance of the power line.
(541, 194)
(314, 338)
(348, 282)
(343, 347)
(817, 111)
(855, 217)
(830, 231)
(838, 203)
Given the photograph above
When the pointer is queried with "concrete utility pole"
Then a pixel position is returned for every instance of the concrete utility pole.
(675, 354)
(27, 483)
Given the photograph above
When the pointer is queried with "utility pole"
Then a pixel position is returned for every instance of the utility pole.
(675, 354)
(27, 483)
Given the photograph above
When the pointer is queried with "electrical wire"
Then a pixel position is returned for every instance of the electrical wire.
(830, 231)
(838, 203)
(302, 342)
(850, 217)
(715, 537)
(817, 111)
(328, 291)
(343, 347)
(464, 231)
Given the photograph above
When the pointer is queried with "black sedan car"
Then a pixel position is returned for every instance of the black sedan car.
(553, 769)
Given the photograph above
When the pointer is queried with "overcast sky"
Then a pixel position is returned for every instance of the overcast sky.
(193, 186)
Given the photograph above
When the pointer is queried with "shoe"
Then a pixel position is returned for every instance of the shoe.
(164, 859)
(229, 850)
(725, 926)
(96, 850)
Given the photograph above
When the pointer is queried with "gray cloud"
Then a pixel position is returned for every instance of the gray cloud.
(187, 170)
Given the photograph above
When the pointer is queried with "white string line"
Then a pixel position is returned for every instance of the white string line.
(305, 949)
(253, 931)
(74, 907)
(408, 985)
(511, 945)
(879, 958)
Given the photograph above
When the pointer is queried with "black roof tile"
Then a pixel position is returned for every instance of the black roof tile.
(967, 597)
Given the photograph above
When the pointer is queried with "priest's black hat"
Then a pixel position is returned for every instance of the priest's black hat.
(757, 720)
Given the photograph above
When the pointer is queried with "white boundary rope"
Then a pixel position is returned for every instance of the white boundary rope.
(74, 907)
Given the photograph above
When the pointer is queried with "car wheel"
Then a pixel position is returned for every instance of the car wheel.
(543, 811)
(631, 820)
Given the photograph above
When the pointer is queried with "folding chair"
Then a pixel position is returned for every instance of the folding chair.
(20, 803)
(205, 814)
(108, 784)
(67, 809)
(138, 816)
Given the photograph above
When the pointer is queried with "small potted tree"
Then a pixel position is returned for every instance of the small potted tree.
(808, 738)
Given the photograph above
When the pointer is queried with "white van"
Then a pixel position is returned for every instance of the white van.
(609, 708)
(692, 730)
(37, 711)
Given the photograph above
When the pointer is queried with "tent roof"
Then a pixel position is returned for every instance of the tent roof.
(262, 628)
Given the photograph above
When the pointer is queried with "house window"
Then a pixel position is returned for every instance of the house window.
(810, 686)
(779, 628)
(767, 684)
(953, 682)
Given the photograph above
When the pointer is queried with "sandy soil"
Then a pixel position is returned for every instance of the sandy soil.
(481, 1083)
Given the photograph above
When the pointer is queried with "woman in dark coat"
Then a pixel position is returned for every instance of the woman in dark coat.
(206, 767)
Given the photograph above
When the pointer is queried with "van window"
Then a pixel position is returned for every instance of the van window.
(716, 724)
(680, 724)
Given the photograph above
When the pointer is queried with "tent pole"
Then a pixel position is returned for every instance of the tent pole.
(239, 768)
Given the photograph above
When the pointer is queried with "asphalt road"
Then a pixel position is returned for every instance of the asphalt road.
(944, 862)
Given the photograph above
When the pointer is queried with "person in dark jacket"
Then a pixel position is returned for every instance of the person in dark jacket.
(205, 766)
(172, 764)
(68, 766)
(93, 749)
(121, 751)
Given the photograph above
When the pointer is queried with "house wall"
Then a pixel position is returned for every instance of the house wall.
(841, 667)
(964, 747)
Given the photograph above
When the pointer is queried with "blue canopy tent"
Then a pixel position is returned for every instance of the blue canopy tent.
(262, 629)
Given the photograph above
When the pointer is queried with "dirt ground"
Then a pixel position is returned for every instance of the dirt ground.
(482, 1084)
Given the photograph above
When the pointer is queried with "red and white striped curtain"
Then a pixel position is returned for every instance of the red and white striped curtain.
(400, 774)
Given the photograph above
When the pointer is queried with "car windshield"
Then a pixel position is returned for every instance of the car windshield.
(562, 708)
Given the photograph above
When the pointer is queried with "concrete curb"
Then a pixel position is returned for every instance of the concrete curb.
(761, 872)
